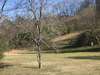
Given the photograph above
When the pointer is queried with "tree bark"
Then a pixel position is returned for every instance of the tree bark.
(39, 43)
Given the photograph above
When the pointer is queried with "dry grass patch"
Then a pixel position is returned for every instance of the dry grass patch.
(52, 64)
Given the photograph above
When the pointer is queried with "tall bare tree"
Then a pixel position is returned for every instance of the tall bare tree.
(37, 8)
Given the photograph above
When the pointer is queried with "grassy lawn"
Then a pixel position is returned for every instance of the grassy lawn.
(86, 63)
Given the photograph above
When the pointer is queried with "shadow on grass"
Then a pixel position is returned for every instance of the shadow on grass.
(81, 49)
(32, 67)
(74, 50)
(4, 65)
(86, 57)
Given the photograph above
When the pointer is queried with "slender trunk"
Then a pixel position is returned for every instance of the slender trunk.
(39, 57)
(39, 44)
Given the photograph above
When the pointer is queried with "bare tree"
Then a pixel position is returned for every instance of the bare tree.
(2, 8)
(38, 13)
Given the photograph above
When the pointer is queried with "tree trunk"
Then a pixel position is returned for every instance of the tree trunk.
(39, 43)
(98, 11)
(39, 57)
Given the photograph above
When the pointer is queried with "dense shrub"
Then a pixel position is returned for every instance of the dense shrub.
(22, 40)
(88, 38)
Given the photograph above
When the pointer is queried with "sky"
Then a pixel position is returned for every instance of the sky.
(11, 4)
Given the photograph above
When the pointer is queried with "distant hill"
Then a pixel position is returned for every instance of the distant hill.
(81, 18)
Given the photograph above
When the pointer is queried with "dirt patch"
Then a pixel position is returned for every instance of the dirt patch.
(12, 52)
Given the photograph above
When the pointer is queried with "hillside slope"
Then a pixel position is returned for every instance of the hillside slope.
(87, 13)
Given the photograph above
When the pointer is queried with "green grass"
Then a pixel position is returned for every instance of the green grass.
(87, 63)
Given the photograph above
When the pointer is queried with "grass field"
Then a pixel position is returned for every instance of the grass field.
(86, 63)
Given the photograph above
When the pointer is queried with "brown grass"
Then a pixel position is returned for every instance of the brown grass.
(87, 63)
(66, 37)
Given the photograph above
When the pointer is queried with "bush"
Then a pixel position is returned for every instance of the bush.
(88, 38)
(22, 40)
